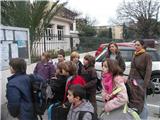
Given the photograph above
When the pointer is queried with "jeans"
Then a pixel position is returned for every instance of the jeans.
(144, 114)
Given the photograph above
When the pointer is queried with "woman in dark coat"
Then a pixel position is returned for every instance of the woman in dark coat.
(141, 68)
(114, 53)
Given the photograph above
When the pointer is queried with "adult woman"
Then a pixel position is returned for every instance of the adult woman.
(141, 68)
(114, 54)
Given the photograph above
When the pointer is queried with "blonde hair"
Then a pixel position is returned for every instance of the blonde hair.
(73, 55)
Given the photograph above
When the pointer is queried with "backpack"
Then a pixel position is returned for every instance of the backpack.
(82, 113)
(136, 96)
(98, 85)
(39, 95)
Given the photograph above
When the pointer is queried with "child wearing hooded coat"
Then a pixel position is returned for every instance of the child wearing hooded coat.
(76, 96)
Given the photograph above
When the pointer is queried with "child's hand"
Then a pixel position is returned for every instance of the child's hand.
(54, 78)
(103, 95)
(108, 96)
(64, 106)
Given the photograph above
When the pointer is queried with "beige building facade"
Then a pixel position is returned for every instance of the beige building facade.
(60, 34)
(117, 30)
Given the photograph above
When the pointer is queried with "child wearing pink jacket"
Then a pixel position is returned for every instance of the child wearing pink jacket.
(112, 80)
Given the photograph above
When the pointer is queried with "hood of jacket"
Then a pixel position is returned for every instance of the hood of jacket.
(84, 106)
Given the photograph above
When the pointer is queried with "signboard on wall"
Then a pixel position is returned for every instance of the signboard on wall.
(14, 49)
(14, 42)
(4, 53)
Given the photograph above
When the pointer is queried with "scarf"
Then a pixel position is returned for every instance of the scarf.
(139, 52)
(107, 82)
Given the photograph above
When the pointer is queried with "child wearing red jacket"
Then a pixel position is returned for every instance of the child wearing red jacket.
(73, 78)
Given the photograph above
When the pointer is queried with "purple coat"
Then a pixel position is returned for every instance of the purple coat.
(45, 70)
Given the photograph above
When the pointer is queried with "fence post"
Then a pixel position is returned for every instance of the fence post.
(71, 43)
(44, 42)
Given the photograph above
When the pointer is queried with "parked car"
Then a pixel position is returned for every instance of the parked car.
(127, 53)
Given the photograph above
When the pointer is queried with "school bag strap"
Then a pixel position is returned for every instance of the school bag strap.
(82, 113)
(137, 68)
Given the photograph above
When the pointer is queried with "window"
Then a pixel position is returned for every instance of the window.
(60, 32)
(127, 54)
(154, 55)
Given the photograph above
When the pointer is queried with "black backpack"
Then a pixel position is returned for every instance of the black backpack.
(39, 95)
(82, 113)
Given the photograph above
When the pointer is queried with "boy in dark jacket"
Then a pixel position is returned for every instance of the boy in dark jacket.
(19, 91)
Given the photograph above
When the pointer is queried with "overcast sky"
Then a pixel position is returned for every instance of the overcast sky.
(101, 10)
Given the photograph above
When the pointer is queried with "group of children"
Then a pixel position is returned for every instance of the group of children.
(64, 76)
(74, 83)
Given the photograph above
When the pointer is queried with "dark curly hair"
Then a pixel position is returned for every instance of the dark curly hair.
(90, 59)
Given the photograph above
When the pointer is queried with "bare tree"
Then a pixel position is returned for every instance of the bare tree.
(144, 14)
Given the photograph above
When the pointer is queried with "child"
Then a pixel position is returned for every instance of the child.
(76, 95)
(73, 78)
(114, 101)
(75, 58)
(66, 76)
(90, 75)
(106, 78)
(19, 91)
(58, 84)
(61, 55)
(44, 68)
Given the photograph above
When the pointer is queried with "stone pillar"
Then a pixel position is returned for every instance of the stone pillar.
(55, 29)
